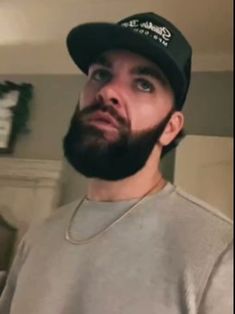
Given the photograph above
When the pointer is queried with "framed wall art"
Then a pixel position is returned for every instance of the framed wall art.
(14, 112)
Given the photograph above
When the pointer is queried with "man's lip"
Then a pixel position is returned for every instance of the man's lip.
(104, 117)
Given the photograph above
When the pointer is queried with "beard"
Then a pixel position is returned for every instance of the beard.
(89, 151)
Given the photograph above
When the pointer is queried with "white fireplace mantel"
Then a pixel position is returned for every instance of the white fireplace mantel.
(29, 190)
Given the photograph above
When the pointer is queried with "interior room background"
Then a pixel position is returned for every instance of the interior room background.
(35, 178)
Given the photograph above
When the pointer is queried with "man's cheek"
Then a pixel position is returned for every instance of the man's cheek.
(87, 95)
(85, 103)
(81, 101)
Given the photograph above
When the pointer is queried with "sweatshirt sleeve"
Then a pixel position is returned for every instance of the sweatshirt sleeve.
(218, 297)
(11, 283)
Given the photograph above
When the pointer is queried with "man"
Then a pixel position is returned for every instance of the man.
(134, 243)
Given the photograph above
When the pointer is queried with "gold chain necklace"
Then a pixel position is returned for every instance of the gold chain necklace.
(68, 235)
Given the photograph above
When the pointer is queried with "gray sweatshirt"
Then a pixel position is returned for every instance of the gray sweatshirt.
(170, 255)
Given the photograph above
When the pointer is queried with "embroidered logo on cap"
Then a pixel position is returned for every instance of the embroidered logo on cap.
(156, 32)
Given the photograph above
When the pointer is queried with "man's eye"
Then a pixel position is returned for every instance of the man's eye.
(100, 75)
(144, 85)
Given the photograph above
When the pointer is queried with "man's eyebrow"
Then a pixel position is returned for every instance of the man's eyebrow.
(102, 60)
(151, 71)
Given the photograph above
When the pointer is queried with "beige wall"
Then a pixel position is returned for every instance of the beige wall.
(204, 168)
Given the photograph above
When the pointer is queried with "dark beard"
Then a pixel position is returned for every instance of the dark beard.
(91, 154)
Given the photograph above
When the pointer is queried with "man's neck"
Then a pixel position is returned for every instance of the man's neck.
(123, 189)
(149, 178)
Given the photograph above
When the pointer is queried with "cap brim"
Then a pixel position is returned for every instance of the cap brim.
(88, 41)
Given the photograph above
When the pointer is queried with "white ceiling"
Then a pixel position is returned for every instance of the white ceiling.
(32, 33)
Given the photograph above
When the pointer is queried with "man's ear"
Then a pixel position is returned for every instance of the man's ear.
(173, 127)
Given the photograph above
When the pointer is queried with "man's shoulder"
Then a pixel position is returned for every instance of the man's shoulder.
(201, 221)
(51, 227)
(202, 232)
(199, 208)
(199, 226)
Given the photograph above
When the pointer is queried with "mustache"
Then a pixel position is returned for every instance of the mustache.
(99, 106)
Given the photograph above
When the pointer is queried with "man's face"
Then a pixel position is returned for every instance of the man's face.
(124, 108)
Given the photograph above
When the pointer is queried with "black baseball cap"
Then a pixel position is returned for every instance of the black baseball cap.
(146, 34)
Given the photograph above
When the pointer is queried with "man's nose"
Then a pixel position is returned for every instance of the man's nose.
(109, 95)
